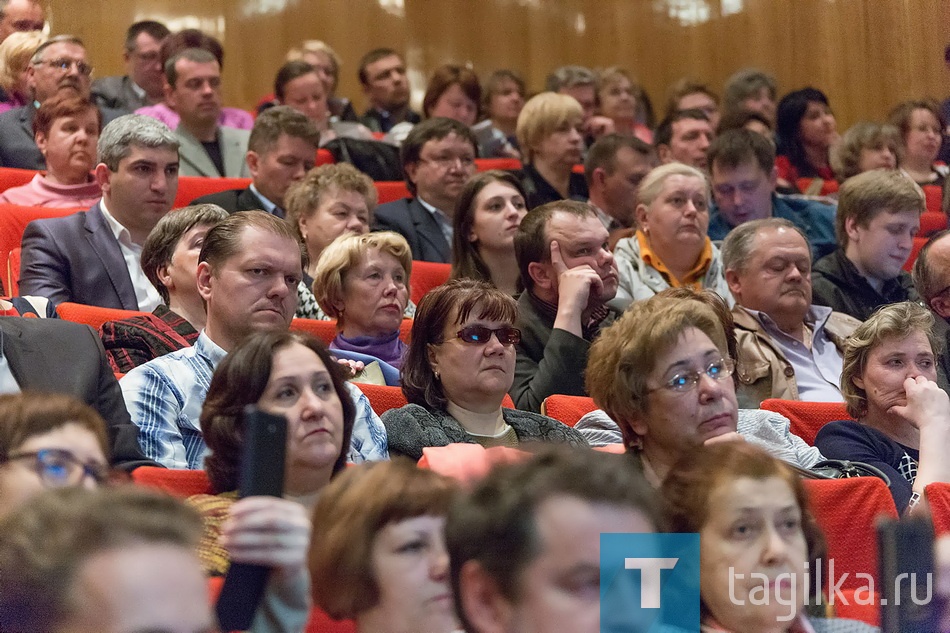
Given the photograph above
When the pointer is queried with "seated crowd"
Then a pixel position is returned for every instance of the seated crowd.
(675, 275)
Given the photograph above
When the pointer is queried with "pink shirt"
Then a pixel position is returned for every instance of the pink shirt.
(230, 117)
(40, 192)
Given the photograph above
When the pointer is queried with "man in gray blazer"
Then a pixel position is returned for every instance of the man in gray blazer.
(194, 92)
(93, 257)
(438, 157)
(144, 84)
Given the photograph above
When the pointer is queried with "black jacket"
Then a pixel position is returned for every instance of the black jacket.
(836, 283)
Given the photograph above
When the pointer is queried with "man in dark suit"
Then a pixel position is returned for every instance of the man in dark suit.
(59, 64)
(281, 150)
(64, 357)
(438, 157)
(144, 84)
(93, 257)
(386, 86)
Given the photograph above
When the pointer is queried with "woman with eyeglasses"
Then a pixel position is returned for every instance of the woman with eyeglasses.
(48, 441)
(457, 371)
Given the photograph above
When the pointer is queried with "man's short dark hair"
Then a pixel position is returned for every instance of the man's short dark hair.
(495, 524)
(278, 120)
(739, 147)
(374, 56)
(155, 30)
(603, 153)
(664, 132)
(434, 129)
(531, 240)
(196, 55)
(191, 38)
(737, 119)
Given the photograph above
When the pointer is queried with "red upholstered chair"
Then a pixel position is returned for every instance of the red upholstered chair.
(847, 510)
(807, 417)
(426, 276)
(11, 285)
(325, 157)
(934, 197)
(180, 483)
(508, 164)
(567, 409)
(383, 397)
(931, 223)
(93, 316)
(914, 251)
(938, 496)
(13, 221)
(326, 330)
(11, 177)
(191, 187)
(391, 190)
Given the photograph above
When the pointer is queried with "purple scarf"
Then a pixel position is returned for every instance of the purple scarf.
(388, 349)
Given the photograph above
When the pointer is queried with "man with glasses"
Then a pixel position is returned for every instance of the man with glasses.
(144, 82)
(60, 63)
(787, 347)
(438, 157)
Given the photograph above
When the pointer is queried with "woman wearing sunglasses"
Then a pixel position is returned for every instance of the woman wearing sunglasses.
(458, 369)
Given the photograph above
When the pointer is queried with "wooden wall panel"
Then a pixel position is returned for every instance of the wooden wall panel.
(867, 55)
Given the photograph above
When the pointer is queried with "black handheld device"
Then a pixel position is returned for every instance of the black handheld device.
(906, 553)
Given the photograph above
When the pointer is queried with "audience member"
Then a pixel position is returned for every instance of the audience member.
(124, 560)
(15, 54)
(932, 281)
(614, 168)
(58, 64)
(170, 261)
(361, 566)
(901, 418)
(327, 63)
(144, 83)
(878, 217)
(921, 124)
(744, 177)
(438, 157)
(806, 131)
(330, 200)
(866, 146)
(684, 137)
(17, 16)
(171, 46)
(281, 150)
(301, 86)
(569, 275)
(581, 83)
(670, 247)
(66, 129)
(617, 100)
(503, 97)
(455, 376)
(54, 356)
(93, 257)
(289, 374)
(688, 94)
(753, 90)
(663, 375)
(383, 76)
(193, 90)
(362, 281)
(48, 441)
(551, 142)
(454, 92)
(526, 527)
(746, 119)
(486, 220)
(788, 348)
(752, 514)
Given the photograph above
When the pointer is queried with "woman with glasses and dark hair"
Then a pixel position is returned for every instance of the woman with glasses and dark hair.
(457, 371)
(48, 441)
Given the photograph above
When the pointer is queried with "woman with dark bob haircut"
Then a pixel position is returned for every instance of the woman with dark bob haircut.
(806, 130)
(487, 217)
(756, 537)
(378, 555)
(286, 373)
(457, 372)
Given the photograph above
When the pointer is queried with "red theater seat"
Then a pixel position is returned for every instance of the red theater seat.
(325, 157)
(191, 187)
(567, 409)
(914, 251)
(807, 417)
(10, 177)
(93, 316)
(505, 164)
(177, 482)
(391, 190)
(426, 276)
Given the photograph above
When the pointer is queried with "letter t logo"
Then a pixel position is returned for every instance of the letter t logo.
(650, 578)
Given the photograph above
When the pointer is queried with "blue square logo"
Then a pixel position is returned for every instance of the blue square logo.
(649, 583)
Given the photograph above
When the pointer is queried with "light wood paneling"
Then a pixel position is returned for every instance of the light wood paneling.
(867, 55)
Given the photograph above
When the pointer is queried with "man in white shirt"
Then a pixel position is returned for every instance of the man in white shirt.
(93, 257)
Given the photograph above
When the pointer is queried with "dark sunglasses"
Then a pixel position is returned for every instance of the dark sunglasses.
(480, 335)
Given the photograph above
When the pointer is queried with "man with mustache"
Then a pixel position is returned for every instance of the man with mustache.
(787, 347)
(193, 90)
(59, 63)
(569, 275)
(438, 157)
(248, 271)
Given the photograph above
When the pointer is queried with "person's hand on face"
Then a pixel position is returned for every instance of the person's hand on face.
(926, 403)
(268, 531)
(575, 285)
(597, 126)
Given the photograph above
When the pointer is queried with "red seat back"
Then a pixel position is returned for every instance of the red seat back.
(176, 482)
(13, 221)
(11, 282)
(426, 276)
(807, 417)
(914, 252)
(938, 497)
(191, 187)
(11, 177)
(391, 190)
(934, 197)
(811, 186)
(507, 164)
(93, 316)
(567, 409)
(383, 398)
(931, 223)
(325, 157)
